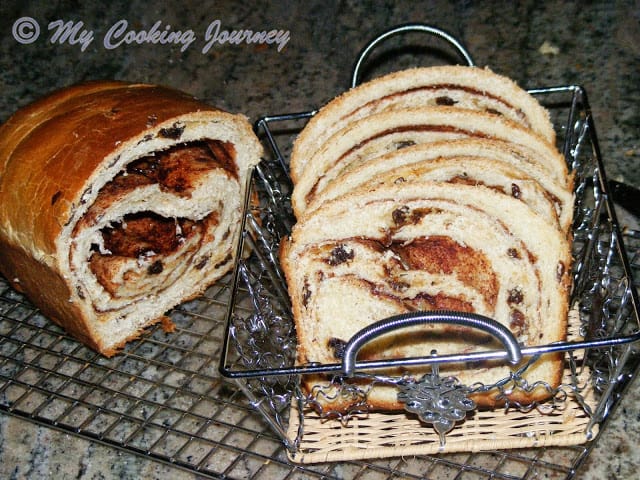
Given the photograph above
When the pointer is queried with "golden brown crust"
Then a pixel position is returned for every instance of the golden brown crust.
(46, 288)
(53, 145)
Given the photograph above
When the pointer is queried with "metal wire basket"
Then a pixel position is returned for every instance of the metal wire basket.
(260, 345)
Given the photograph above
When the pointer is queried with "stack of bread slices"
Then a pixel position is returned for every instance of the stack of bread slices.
(436, 188)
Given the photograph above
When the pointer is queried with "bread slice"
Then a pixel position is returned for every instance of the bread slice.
(381, 133)
(464, 87)
(511, 168)
(119, 201)
(370, 254)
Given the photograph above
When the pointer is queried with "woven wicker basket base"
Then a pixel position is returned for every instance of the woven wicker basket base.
(383, 435)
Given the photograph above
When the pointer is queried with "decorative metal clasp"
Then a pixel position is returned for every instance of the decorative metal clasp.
(440, 401)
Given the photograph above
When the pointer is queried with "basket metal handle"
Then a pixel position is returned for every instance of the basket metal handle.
(358, 340)
(402, 29)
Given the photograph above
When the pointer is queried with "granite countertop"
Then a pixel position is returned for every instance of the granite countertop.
(536, 43)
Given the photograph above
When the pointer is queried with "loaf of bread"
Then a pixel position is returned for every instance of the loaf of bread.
(429, 189)
(463, 87)
(119, 201)
(371, 254)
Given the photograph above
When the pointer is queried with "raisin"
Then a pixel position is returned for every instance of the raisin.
(306, 294)
(403, 144)
(515, 191)
(400, 215)
(517, 321)
(56, 196)
(337, 346)
(398, 286)
(513, 253)
(174, 132)
(515, 297)
(155, 268)
(201, 264)
(340, 255)
(445, 101)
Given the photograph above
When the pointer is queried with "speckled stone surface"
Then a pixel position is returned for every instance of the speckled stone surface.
(550, 43)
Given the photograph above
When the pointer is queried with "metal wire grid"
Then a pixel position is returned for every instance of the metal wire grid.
(162, 398)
